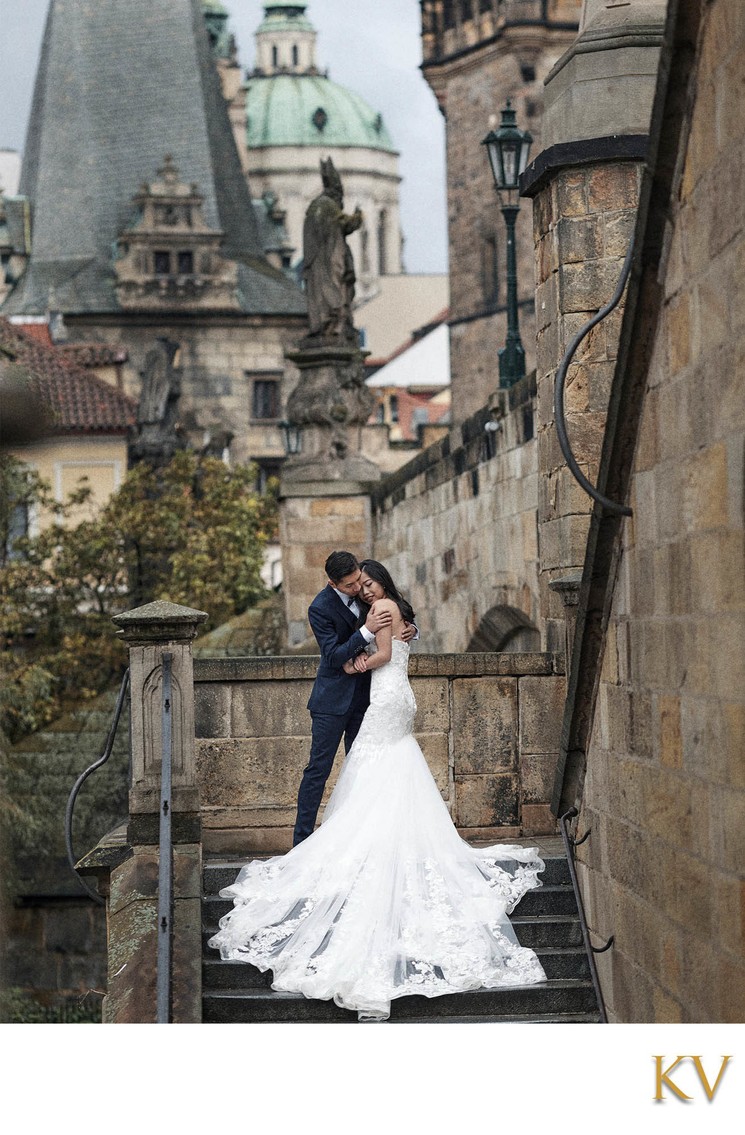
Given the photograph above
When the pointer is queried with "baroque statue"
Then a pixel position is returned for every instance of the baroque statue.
(328, 264)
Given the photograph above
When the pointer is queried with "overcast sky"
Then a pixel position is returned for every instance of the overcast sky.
(370, 46)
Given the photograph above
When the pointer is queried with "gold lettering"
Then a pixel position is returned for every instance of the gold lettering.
(702, 1075)
(665, 1076)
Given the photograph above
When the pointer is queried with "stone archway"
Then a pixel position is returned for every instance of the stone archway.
(505, 628)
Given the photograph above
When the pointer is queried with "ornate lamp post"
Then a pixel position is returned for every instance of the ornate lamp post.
(508, 149)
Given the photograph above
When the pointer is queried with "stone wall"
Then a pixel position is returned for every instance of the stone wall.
(665, 785)
(54, 935)
(583, 222)
(456, 526)
(488, 725)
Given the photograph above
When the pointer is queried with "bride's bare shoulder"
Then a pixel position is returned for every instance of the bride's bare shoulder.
(384, 605)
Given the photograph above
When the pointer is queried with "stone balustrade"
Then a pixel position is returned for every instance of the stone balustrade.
(488, 725)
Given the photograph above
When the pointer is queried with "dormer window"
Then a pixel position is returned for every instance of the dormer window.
(168, 254)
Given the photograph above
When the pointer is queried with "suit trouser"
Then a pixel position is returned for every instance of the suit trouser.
(326, 732)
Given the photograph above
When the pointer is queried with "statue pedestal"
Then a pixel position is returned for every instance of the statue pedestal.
(325, 490)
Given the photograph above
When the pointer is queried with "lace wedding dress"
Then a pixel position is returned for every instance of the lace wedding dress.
(384, 899)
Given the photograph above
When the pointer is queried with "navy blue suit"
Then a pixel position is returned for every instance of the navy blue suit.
(337, 702)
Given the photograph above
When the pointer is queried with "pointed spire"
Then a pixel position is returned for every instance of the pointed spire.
(118, 85)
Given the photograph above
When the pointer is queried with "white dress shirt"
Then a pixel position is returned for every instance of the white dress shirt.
(351, 602)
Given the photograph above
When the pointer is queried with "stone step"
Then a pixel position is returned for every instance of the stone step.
(552, 998)
(219, 873)
(542, 903)
(558, 931)
(217, 974)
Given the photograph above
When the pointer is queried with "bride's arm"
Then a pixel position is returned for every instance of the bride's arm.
(383, 641)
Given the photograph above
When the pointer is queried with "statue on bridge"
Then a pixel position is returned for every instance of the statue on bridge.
(328, 265)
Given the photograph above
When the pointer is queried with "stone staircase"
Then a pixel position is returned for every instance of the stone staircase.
(546, 920)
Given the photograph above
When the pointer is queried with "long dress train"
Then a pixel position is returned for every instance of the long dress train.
(384, 899)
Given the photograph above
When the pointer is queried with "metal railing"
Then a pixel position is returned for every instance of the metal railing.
(569, 845)
(71, 857)
(561, 374)
(165, 852)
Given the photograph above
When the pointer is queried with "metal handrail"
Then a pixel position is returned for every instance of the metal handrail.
(165, 852)
(569, 845)
(561, 374)
(71, 857)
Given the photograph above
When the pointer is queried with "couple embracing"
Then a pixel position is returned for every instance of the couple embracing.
(383, 899)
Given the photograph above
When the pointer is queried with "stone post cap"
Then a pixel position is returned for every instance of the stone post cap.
(160, 621)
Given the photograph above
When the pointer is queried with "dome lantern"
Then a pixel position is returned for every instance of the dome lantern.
(285, 41)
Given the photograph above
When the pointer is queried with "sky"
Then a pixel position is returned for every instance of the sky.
(371, 46)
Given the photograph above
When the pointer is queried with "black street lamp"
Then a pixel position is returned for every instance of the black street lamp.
(292, 436)
(508, 149)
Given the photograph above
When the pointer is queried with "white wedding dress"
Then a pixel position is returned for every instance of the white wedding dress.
(384, 899)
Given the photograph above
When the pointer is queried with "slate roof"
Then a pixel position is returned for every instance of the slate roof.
(120, 85)
(79, 402)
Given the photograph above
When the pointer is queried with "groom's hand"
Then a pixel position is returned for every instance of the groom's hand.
(408, 633)
(375, 621)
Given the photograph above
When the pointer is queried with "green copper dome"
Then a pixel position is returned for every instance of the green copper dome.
(311, 110)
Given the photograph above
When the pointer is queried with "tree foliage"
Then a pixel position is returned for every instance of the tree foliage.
(192, 532)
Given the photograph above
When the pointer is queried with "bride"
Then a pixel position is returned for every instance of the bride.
(384, 899)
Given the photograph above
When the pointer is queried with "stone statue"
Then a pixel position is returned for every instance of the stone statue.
(328, 264)
(159, 432)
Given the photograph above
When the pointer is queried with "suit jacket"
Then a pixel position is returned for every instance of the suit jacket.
(333, 624)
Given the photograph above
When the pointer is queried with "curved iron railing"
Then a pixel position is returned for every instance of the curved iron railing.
(561, 374)
(71, 857)
(569, 845)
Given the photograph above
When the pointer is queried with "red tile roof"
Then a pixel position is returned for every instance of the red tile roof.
(80, 403)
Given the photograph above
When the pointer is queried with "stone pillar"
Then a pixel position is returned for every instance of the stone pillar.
(585, 188)
(325, 489)
(150, 631)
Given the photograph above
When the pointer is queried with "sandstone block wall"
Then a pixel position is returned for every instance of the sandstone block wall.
(456, 527)
(488, 725)
(583, 222)
(665, 788)
(311, 527)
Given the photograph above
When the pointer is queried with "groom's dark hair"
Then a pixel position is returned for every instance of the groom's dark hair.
(339, 565)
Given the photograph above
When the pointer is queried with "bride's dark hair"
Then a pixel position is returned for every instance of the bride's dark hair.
(382, 576)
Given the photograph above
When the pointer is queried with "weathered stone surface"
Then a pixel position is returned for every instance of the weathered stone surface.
(270, 709)
(485, 725)
(486, 801)
(250, 771)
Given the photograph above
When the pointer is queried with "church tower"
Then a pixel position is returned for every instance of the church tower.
(142, 225)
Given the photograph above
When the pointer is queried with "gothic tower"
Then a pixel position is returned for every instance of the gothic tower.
(476, 55)
(142, 226)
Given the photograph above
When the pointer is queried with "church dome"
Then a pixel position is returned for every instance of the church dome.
(311, 110)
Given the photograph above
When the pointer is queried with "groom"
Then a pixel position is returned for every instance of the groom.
(338, 700)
